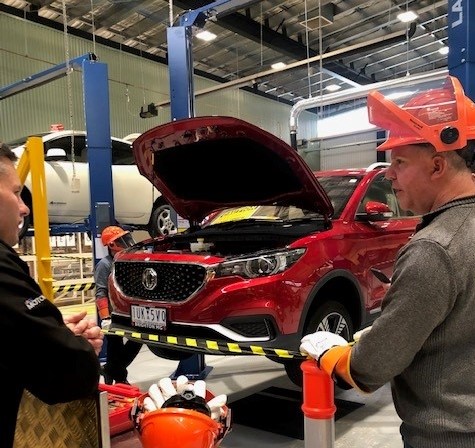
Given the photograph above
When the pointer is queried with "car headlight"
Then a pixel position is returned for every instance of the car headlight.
(261, 265)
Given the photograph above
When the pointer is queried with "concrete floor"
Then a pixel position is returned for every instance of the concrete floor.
(373, 424)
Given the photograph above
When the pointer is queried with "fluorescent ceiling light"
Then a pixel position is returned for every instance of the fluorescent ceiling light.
(333, 87)
(444, 50)
(407, 16)
(278, 65)
(206, 36)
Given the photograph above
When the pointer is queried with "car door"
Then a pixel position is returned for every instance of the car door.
(67, 186)
(383, 239)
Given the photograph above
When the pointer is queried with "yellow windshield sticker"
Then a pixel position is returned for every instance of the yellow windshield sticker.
(235, 214)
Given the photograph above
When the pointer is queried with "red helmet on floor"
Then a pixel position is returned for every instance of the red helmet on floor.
(175, 426)
(442, 116)
(116, 237)
(179, 428)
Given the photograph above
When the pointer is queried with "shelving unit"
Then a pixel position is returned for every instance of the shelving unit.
(71, 267)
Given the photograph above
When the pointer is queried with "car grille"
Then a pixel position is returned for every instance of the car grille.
(176, 282)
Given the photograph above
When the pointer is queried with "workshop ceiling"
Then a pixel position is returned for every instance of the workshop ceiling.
(361, 41)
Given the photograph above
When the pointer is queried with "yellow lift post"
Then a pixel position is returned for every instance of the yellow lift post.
(33, 160)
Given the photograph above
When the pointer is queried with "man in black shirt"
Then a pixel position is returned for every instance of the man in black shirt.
(53, 359)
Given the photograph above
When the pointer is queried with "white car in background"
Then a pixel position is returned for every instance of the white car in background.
(136, 202)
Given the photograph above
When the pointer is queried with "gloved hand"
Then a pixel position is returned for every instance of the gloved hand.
(318, 343)
(162, 391)
(106, 323)
(358, 334)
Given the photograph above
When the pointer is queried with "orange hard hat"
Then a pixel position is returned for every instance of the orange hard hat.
(442, 116)
(179, 427)
(181, 423)
(111, 233)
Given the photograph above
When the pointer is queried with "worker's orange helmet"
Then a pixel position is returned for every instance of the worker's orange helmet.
(182, 422)
(442, 116)
(116, 237)
(179, 428)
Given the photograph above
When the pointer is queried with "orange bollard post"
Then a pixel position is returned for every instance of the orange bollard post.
(318, 406)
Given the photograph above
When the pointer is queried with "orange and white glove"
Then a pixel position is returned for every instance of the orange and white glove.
(358, 334)
(102, 305)
(106, 323)
(331, 352)
(318, 343)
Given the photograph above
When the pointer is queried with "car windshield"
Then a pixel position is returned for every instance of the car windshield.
(338, 188)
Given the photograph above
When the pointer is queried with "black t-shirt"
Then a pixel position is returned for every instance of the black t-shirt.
(38, 352)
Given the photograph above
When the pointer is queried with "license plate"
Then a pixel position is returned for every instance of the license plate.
(148, 317)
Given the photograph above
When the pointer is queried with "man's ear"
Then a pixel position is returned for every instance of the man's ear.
(439, 165)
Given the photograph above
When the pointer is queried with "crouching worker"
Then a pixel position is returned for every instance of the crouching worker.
(424, 340)
(53, 359)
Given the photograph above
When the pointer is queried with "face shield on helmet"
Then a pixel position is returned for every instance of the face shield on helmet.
(123, 242)
(116, 238)
(442, 116)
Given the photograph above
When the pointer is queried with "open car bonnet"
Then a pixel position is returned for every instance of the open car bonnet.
(204, 164)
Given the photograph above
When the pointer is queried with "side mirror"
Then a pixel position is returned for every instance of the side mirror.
(375, 211)
(55, 154)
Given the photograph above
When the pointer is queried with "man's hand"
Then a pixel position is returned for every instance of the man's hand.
(358, 334)
(86, 328)
(106, 323)
(318, 343)
(76, 322)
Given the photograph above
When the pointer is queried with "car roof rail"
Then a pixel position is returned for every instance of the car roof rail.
(376, 165)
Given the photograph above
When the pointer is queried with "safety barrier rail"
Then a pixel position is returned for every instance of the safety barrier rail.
(204, 345)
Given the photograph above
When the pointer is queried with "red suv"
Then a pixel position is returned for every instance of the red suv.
(273, 251)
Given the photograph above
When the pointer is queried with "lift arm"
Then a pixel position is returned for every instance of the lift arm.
(180, 53)
(45, 76)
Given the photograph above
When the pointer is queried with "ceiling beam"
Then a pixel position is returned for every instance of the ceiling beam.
(260, 33)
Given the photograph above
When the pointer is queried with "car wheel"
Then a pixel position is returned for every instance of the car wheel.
(331, 316)
(167, 353)
(161, 222)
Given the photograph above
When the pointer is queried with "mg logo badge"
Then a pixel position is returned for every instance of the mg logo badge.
(149, 279)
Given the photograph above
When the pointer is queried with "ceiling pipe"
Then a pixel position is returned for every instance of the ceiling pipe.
(342, 52)
(354, 94)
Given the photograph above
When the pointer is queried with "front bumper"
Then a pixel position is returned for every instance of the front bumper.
(198, 342)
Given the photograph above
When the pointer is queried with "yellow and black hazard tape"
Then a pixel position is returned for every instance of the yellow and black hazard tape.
(70, 256)
(61, 256)
(74, 288)
(204, 345)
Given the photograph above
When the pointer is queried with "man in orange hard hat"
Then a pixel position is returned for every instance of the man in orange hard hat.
(424, 340)
(119, 353)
